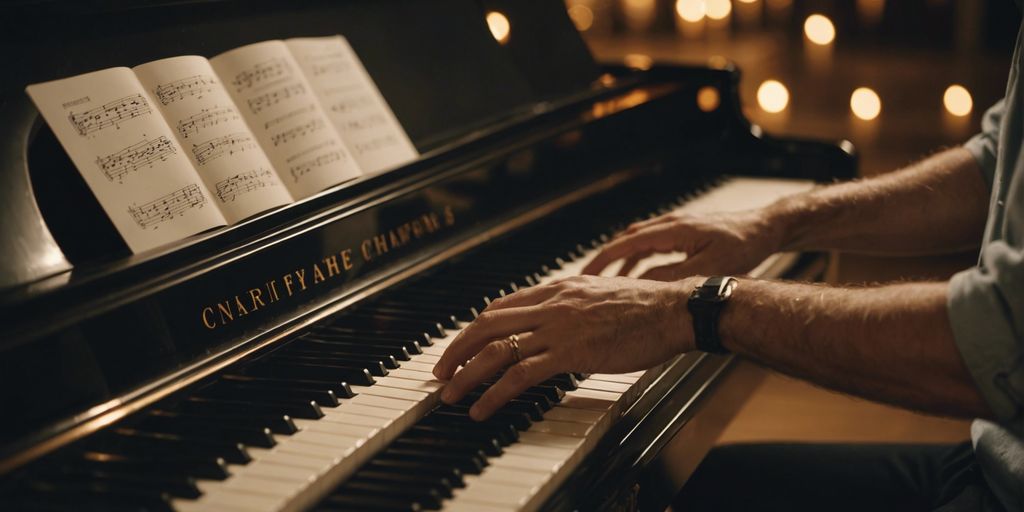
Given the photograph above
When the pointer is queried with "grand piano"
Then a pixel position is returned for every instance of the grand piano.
(283, 363)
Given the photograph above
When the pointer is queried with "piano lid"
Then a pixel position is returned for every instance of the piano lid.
(436, 63)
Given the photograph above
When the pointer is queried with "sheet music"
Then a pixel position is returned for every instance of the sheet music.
(353, 103)
(214, 133)
(278, 103)
(128, 155)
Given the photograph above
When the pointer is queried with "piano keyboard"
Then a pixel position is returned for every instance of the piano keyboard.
(348, 417)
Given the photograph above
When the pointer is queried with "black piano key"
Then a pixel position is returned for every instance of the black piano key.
(518, 420)
(376, 368)
(127, 441)
(371, 340)
(426, 477)
(308, 410)
(475, 300)
(348, 503)
(429, 498)
(443, 316)
(260, 436)
(529, 407)
(278, 423)
(376, 335)
(404, 466)
(92, 496)
(503, 433)
(340, 389)
(311, 350)
(399, 351)
(359, 377)
(448, 445)
(436, 324)
(211, 468)
(179, 486)
(389, 323)
(446, 429)
(469, 464)
(389, 303)
(227, 389)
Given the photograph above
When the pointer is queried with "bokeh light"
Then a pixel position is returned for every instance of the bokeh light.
(718, 9)
(691, 10)
(957, 100)
(865, 103)
(499, 25)
(819, 29)
(708, 98)
(772, 96)
(582, 16)
(638, 61)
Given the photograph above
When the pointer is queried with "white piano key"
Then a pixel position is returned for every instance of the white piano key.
(403, 373)
(597, 395)
(381, 402)
(374, 412)
(388, 392)
(340, 429)
(417, 365)
(317, 464)
(562, 428)
(523, 462)
(424, 386)
(577, 415)
(549, 440)
(466, 506)
(611, 387)
(551, 453)
(612, 377)
(574, 401)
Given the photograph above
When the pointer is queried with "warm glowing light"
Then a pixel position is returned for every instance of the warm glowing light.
(958, 100)
(640, 14)
(638, 61)
(819, 29)
(870, 11)
(499, 26)
(772, 96)
(718, 9)
(747, 1)
(708, 98)
(582, 17)
(865, 103)
(718, 62)
(691, 10)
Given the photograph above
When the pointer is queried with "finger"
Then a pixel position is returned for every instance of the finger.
(639, 225)
(652, 239)
(525, 297)
(516, 380)
(675, 271)
(631, 263)
(495, 356)
(489, 326)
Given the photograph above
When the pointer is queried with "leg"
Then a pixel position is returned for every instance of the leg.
(836, 477)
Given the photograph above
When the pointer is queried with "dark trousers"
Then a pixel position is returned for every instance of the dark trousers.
(837, 477)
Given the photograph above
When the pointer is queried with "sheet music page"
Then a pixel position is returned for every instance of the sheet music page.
(353, 102)
(280, 108)
(128, 156)
(207, 124)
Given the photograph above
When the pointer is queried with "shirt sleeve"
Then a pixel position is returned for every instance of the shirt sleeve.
(986, 311)
(984, 145)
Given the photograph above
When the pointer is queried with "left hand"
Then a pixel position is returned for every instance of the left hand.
(582, 324)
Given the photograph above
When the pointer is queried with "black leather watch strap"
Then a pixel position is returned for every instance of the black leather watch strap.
(705, 305)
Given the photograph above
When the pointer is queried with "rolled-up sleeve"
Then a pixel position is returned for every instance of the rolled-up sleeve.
(986, 311)
(984, 146)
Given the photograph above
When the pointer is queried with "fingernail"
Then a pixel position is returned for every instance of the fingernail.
(474, 413)
(446, 395)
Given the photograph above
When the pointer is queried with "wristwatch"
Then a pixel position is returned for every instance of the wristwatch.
(705, 305)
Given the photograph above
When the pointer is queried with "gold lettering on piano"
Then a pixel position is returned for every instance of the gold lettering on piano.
(379, 245)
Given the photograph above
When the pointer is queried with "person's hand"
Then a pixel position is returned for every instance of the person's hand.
(580, 324)
(725, 243)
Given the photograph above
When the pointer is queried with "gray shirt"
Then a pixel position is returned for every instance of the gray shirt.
(986, 302)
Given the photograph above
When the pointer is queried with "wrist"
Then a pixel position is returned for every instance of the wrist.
(683, 320)
(784, 221)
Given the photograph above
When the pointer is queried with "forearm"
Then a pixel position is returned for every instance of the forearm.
(936, 205)
(891, 343)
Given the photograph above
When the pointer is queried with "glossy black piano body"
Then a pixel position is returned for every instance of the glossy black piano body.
(510, 135)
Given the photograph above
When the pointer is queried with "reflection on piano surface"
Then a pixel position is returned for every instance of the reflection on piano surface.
(284, 363)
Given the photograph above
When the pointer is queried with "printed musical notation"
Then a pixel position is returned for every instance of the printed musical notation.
(263, 101)
(299, 131)
(261, 73)
(364, 123)
(361, 148)
(196, 85)
(308, 166)
(167, 207)
(221, 146)
(230, 188)
(205, 119)
(289, 115)
(132, 158)
(109, 114)
(330, 67)
(351, 104)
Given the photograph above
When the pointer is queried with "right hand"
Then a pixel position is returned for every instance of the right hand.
(724, 243)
